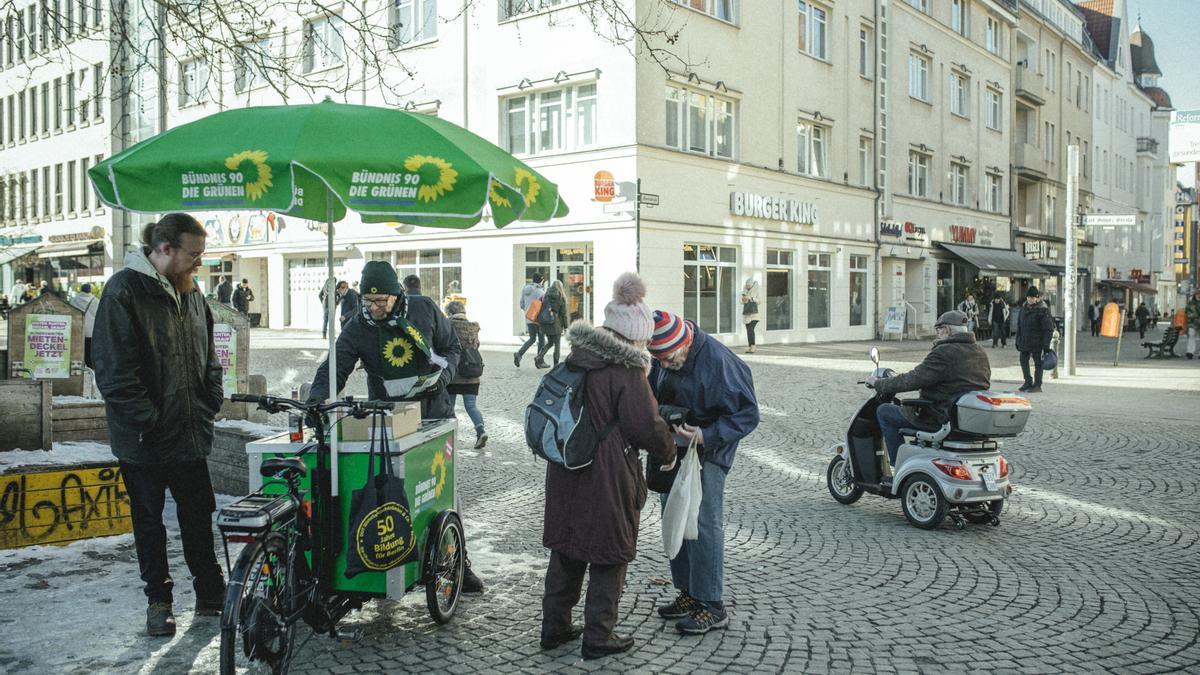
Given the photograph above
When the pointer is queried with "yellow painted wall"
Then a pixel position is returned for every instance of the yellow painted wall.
(62, 505)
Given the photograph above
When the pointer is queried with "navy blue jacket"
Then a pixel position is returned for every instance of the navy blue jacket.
(718, 388)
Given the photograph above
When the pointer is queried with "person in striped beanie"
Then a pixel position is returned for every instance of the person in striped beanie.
(671, 340)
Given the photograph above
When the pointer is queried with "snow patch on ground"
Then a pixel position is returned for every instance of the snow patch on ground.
(65, 453)
(249, 427)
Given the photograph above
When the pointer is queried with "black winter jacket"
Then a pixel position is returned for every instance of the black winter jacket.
(157, 368)
(359, 341)
(1035, 329)
(955, 365)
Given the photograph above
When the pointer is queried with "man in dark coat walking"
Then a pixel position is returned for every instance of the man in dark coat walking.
(592, 514)
(1095, 312)
(157, 367)
(694, 371)
(955, 365)
(243, 296)
(1035, 330)
(225, 291)
(349, 303)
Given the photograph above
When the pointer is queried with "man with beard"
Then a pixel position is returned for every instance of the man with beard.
(157, 368)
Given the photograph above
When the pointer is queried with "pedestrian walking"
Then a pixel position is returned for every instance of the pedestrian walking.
(1192, 314)
(592, 514)
(157, 367)
(243, 296)
(89, 304)
(555, 301)
(1035, 330)
(412, 285)
(999, 320)
(969, 307)
(225, 291)
(1143, 319)
(532, 292)
(750, 311)
(694, 371)
(470, 369)
(349, 303)
(323, 297)
(1094, 314)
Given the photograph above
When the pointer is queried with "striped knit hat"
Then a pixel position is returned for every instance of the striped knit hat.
(671, 332)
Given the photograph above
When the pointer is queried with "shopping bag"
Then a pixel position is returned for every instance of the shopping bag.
(532, 311)
(380, 534)
(680, 519)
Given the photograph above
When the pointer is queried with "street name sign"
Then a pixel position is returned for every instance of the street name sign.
(1108, 220)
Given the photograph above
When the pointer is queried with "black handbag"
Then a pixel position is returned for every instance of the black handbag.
(750, 307)
(381, 534)
(658, 480)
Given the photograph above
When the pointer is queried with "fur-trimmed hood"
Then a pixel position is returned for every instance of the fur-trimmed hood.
(593, 348)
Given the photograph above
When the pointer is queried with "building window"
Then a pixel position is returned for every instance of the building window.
(779, 289)
(83, 183)
(33, 193)
(710, 287)
(324, 45)
(46, 192)
(958, 16)
(437, 268)
(193, 82)
(413, 21)
(995, 109)
(995, 193)
(866, 161)
(721, 9)
(1083, 160)
(70, 99)
(511, 8)
(813, 34)
(1050, 144)
(20, 37)
(32, 29)
(570, 264)
(858, 290)
(918, 76)
(1051, 70)
(58, 103)
(918, 174)
(21, 124)
(550, 121)
(958, 94)
(97, 88)
(45, 108)
(813, 143)
(700, 122)
(994, 37)
(922, 5)
(58, 189)
(959, 180)
(819, 273)
(250, 65)
(71, 186)
(866, 52)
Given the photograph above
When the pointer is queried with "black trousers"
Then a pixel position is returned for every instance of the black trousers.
(87, 352)
(552, 341)
(564, 584)
(998, 334)
(750, 326)
(1036, 380)
(192, 490)
(535, 335)
(1095, 327)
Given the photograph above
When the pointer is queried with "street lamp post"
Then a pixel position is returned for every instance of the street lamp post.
(1068, 347)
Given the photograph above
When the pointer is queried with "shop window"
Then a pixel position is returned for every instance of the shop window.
(819, 274)
(570, 264)
(437, 269)
(710, 286)
(858, 290)
(779, 289)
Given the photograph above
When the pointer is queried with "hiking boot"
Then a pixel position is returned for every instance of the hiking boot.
(703, 619)
(471, 584)
(615, 645)
(681, 607)
(160, 622)
(480, 440)
(554, 641)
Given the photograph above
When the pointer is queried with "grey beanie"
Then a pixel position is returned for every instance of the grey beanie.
(627, 314)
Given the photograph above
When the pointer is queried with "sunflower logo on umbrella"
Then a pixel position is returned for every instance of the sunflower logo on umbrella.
(255, 188)
(398, 352)
(437, 176)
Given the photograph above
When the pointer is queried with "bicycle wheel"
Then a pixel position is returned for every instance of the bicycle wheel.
(254, 625)
(444, 561)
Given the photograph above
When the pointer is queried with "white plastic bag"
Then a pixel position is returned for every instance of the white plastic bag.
(680, 518)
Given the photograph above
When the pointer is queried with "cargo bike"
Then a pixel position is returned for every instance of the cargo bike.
(294, 529)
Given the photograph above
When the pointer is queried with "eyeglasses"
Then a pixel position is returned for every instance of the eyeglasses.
(376, 303)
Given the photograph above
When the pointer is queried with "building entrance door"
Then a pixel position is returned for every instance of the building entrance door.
(570, 264)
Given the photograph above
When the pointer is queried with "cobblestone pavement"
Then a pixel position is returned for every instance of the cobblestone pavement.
(1092, 569)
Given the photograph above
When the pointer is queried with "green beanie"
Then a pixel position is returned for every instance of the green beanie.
(378, 276)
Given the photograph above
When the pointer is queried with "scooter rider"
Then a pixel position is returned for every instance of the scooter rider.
(954, 365)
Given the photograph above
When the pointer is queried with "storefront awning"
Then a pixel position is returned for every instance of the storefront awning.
(996, 260)
(13, 252)
(1131, 285)
(71, 249)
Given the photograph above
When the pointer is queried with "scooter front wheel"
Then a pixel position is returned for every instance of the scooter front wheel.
(841, 482)
(924, 505)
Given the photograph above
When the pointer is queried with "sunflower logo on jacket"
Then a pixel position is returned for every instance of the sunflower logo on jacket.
(398, 352)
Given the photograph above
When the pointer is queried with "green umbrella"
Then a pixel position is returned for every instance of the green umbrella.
(318, 161)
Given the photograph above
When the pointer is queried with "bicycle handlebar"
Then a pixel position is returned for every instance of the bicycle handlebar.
(274, 404)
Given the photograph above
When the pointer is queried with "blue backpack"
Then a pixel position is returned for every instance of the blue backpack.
(558, 426)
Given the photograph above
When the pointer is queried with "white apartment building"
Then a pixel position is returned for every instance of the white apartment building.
(56, 120)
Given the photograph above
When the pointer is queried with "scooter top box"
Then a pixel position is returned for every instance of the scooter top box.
(989, 413)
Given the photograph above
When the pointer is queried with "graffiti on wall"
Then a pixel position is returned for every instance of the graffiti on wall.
(60, 506)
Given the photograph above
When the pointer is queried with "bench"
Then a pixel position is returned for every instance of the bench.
(1164, 348)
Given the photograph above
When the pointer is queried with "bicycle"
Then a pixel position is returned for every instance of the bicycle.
(273, 586)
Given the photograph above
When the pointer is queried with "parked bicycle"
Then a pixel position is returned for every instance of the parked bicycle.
(291, 530)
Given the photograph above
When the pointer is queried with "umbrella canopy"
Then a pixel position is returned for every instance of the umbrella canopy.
(318, 161)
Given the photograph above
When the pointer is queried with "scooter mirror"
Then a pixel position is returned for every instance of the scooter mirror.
(874, 353)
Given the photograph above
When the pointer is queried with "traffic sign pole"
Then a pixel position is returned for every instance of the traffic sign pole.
(1069, 334)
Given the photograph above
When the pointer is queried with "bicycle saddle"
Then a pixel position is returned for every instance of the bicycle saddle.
(288, 467)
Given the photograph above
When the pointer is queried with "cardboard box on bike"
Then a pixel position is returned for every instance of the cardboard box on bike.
(404, 419)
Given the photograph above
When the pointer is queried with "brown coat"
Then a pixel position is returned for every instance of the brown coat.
(592, 514)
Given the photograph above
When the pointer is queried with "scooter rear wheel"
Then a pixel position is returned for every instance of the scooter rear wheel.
(841, 483)
(924, 504)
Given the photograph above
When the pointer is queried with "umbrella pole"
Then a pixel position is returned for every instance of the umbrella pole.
(330, 303)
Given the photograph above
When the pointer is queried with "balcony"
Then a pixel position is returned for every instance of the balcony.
(1030, 161)
(1147, 145)
(1030, 87)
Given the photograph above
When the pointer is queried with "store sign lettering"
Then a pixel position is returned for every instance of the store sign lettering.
(753, 205)
(891, 228)
(961, 234)
(913, 232)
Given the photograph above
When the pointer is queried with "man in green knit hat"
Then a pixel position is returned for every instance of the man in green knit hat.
(408, 348)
